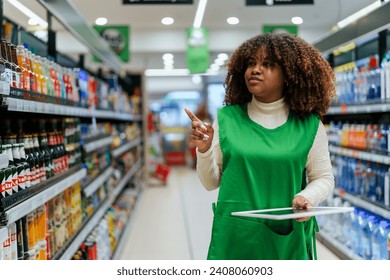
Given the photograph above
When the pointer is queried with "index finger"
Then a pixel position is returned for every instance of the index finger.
(191, 115)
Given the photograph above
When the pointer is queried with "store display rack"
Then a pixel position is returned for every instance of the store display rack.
(97, 216)
(24, 101)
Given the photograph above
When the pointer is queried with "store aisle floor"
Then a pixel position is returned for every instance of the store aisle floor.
(173, 222)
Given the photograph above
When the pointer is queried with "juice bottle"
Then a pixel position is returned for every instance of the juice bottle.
(35, 68)
(18, 78)
(30, 70)
(21, 57)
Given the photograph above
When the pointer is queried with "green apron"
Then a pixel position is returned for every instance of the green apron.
(262, 168)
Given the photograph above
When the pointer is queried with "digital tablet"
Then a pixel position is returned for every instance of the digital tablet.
(292, 213)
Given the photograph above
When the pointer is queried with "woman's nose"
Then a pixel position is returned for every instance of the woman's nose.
(257, 69)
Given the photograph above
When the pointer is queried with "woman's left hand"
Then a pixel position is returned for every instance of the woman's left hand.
(301, 203)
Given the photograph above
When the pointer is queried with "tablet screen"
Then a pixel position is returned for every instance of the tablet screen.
(292, 213)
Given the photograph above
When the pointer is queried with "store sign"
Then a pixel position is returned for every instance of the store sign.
(127, 2)
(197, 55)
(292, 29)
(117, 37)
(278, 2)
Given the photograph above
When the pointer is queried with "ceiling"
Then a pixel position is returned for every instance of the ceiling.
(149, 39)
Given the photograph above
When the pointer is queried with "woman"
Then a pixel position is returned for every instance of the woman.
(268, 148)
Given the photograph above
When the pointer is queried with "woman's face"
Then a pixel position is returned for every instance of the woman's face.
(264, 78)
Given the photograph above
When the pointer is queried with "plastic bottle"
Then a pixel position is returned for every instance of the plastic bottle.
(353, 236)
(362, 222)
(368, 233)
(380, 242)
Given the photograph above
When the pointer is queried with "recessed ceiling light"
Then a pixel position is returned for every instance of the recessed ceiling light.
(167, 21)
(233, 20)
(223, 56)
(167, 56)
(101, 21)
(297, 20)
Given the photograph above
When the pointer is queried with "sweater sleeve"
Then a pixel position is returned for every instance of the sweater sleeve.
(209, 163)
(319, 169)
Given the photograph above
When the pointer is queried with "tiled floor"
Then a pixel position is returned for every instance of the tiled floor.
(173, 222)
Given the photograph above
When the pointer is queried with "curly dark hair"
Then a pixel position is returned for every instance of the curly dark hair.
(309, 79)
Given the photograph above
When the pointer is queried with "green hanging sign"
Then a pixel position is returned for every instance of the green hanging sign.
(117, 37)
(293, 29)
(197, 55)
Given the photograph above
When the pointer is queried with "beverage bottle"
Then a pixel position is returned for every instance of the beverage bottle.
(13, 245)
(33, 79)
(368, 232)
(380, 241)
(50, 168)
(18, 82)
(35, 68)
(30, 159)
(44, 75)
(26, 166)
(25, 238)
(19, 166)
(11, 184)
(39, 155)
(21, 57)
(54, 152)
(362, 222)
(19, 239)
(7, 74)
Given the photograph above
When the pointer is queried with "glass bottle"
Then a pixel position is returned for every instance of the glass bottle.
(17, 80)
(21, 57)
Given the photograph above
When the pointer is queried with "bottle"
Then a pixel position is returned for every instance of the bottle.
(362, 222)
(39, 156)
(21, 56)
(368, 233)
(50, 168)
(12, 184)
(19, 166)
(380, 249)
(33, 83)
(19, 238)
(17, 80)
(26, 166)
(30, 159)
(6, 62)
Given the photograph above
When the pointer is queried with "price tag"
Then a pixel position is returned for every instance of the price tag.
(40, 107)
(20, 105)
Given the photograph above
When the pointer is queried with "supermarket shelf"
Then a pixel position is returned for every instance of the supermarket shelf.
(22, 209)
(359, 109)
(95, 145)
(384, 159)
(362, 203)
(95, 184)
(31, 106)
(124, 148)
(94, 220)
(337, 247)
(129, 225)
(3, 234)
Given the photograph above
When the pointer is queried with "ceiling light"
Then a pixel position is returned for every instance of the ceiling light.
(199, 13)
(233, 20)
(101, 21)
(223, 56)
(361, 13)
(297, 20)
(167, 56)
(28, 13)
(167, 21)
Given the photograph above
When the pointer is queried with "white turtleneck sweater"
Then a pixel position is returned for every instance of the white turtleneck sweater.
(272, 115)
